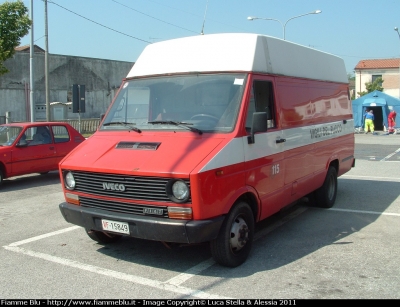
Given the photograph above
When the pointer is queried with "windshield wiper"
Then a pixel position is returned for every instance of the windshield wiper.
(130, 125)
(181, 124)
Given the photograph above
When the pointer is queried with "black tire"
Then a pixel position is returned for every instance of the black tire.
(102, 237)
(235, 239)
(325, 196)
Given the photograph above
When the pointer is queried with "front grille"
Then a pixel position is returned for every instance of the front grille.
(135, 187)
(121, 207)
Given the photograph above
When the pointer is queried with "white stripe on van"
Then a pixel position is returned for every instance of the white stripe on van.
(238, 150)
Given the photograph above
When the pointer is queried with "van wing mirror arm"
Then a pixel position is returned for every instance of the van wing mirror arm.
(260, 124)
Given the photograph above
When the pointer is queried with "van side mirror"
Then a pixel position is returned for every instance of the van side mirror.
(260, 124)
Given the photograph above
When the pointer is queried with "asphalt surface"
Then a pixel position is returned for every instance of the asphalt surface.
(348, 252)
(377, 147)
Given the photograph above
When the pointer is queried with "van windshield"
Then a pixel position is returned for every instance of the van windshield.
(196, 102)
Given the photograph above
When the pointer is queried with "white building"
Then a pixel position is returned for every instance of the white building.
(102, 78)
(367, 71)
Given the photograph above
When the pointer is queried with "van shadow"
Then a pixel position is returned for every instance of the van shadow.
(30, 181)
(293, 238)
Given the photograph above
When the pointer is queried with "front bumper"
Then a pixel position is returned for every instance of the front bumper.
(146, 227)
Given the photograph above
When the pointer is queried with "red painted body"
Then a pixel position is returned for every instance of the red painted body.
(184, 154)
(201, 142)
(35, 155)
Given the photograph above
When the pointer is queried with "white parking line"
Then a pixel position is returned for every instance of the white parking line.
(173, 284)
(371, 177)
(193, 271)
(46, 235)
(118, 275)
(391, 155)
(364, 212)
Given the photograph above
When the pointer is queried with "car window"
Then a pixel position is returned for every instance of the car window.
(37, 135)
(61, 134)
(8, 135)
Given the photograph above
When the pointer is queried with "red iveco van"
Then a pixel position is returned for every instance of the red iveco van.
(209, 135)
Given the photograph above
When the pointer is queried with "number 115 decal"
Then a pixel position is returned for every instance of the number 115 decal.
(275, 169)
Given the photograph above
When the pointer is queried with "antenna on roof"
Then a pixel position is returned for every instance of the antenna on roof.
(204, 20)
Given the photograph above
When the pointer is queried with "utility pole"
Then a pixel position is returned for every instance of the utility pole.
(46, 63)
(397, 30)
(31, 52)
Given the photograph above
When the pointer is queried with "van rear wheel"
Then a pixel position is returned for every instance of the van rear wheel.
(326, 195)
(233, 244)
(102, 237)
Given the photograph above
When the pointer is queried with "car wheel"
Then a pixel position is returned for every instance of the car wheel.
(102, 237)
(233, 244)
(326, 195)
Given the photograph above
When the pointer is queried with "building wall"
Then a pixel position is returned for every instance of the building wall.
(101, 78)
(391, 80)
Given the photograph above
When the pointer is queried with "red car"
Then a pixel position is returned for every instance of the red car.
(27, 148)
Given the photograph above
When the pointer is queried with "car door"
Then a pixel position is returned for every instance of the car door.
(62, 141)
(37, 155)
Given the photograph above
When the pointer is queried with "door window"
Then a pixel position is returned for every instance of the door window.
(261, 100)
(61, 134)
(37, 135)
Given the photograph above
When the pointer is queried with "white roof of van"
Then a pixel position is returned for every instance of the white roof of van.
(238, 52)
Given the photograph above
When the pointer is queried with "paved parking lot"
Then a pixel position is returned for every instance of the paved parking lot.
(349, 251)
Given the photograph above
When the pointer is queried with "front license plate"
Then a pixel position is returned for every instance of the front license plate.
(115, 226)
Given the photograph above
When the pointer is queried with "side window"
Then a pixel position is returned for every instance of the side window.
(37, 135)
(261, 100)
(61, 134)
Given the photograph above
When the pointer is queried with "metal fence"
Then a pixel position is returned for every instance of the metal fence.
(85, 126)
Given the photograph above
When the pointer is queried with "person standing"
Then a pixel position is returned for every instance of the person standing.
(364, 117)
(369, 122)
(392, 121)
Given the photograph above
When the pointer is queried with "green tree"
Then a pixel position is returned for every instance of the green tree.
(372, 86)
(14, 24)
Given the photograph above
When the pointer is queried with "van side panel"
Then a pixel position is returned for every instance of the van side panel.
(306, 102)
(316, 122)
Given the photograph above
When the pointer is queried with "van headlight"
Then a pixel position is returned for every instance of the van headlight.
(178, 191)
(69, 181)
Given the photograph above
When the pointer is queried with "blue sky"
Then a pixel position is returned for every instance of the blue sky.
(120, 29)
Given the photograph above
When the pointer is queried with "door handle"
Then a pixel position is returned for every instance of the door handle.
(280, 141)
(51, 147)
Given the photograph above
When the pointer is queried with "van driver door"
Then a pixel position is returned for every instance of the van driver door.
(264, 158)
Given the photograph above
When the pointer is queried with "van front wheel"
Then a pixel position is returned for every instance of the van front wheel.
(326, 195)
(102, 237)
(233, 244)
